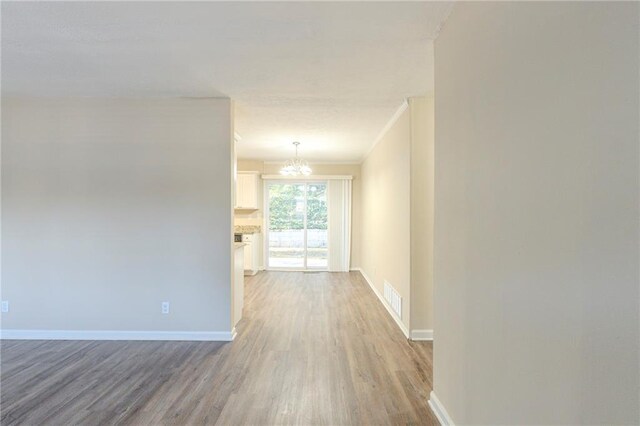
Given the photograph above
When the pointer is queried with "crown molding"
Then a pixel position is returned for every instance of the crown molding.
(386, 128)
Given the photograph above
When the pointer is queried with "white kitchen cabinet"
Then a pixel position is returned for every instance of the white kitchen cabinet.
(247, 191)
(251, 253)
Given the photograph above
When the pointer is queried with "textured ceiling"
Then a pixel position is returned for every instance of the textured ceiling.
(328, 74)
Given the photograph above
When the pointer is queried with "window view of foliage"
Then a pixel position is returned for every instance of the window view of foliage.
(286, 207)
(317, 207)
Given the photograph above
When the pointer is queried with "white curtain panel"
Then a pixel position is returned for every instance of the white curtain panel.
(339, 205)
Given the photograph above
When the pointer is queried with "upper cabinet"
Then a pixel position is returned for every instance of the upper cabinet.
(247, 191)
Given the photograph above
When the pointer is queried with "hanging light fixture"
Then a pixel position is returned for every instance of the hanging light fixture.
(296, 166)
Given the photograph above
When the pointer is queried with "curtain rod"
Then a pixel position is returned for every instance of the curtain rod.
(310, 177)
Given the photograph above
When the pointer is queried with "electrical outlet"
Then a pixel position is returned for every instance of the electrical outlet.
(165, 307)
(5, 306)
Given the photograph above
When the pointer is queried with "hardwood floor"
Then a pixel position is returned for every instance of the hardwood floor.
(312, 348)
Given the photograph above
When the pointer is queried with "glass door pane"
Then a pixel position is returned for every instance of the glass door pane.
(317, 226)
(286, 225)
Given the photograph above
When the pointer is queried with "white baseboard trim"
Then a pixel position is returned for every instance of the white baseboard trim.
(398, 321)
(421, 334)
(214, 336)
(439, 410)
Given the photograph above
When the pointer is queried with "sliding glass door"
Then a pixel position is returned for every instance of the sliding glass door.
(297, 225)
(286, 225)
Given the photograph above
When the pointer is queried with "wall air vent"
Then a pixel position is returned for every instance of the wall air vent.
(393, 299)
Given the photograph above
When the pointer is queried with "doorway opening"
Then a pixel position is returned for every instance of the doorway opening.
(297, 228)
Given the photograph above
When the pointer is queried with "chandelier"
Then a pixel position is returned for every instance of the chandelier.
(296, 166)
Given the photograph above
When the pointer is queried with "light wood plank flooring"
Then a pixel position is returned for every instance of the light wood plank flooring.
(312, 348)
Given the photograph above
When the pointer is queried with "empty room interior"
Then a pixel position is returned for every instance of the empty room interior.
(320, 213)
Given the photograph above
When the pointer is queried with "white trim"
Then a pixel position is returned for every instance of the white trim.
(384, 303)
(236, 136)
(306, 178)
(388, 126)
(312, 163)
(439, 410)
(215, 336)
(421, 334)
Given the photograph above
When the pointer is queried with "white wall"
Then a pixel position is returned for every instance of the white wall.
(110, 207)
(385, 246)
(536, 222)
(421, 215)
(397, 214)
